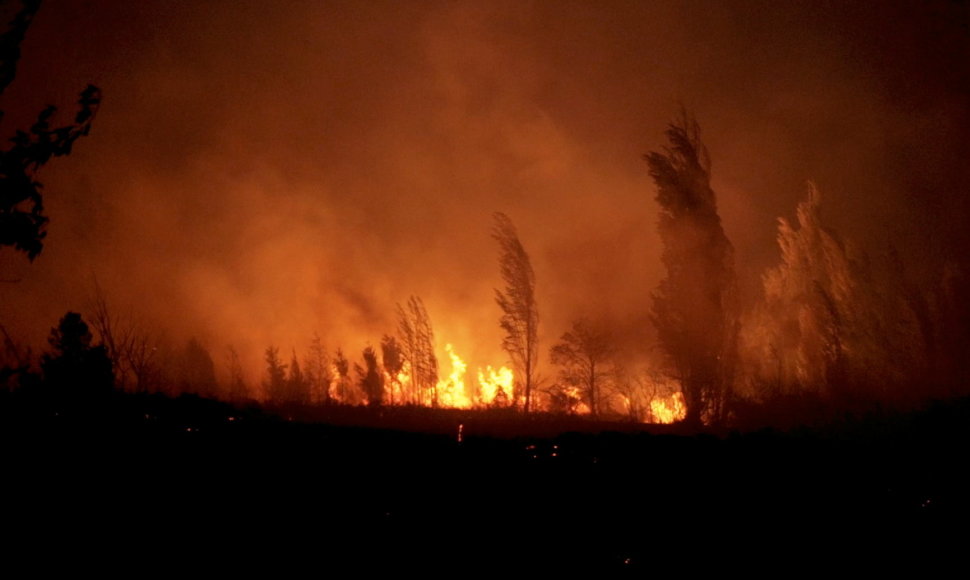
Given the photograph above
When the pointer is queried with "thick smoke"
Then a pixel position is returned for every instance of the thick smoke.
(262, 171)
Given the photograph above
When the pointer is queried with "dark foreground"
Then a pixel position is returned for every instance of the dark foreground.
(192, 486)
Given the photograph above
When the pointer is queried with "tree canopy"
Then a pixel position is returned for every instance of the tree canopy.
(584, 354)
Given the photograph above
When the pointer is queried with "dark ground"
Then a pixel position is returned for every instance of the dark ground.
(194, 485)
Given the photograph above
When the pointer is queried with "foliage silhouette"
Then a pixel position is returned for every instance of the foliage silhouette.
(393, 362)
(22, 219)
(584, 354)
(275, 383)
(75, 372)
(371, 379)
(297, 384)
(196, 370)
(690, 306)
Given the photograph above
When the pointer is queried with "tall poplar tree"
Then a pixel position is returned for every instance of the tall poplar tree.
(690, 306)
(520, 316)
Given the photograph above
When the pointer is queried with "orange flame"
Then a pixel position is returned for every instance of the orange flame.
(451, 392)
(494, 384)
(668, 409)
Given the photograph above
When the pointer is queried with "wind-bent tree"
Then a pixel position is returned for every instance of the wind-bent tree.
(799, 328)
(520, 317)
(22, 219)
(585, 354)
(417, 349)
(690, 307)
(825, 325)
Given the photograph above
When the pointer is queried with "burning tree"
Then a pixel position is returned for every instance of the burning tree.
(690, 305)
(417, 349)
(345, 392)
(520, 317)
(585, 354)
(826, 325)
(393, 362)
(370, 379)
(800, 327)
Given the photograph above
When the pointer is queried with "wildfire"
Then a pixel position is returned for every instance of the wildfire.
(668, 409)
(495, 387)
(451, 392)
(495, 384)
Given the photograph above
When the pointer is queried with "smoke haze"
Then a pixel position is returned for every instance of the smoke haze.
(259, 172)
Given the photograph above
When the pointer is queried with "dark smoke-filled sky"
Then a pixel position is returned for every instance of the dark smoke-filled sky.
(260, 171)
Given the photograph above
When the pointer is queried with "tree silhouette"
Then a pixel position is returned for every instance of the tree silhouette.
(196, 370)
(297, 385)
(370, 379)
(690, 307)
(76, 372)
(825, 325)
(131, 348)
(14, 362)
(520, 317)
(345, 389)
(585, 353)
(22, 219)
(275, 384)
(393, 362)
